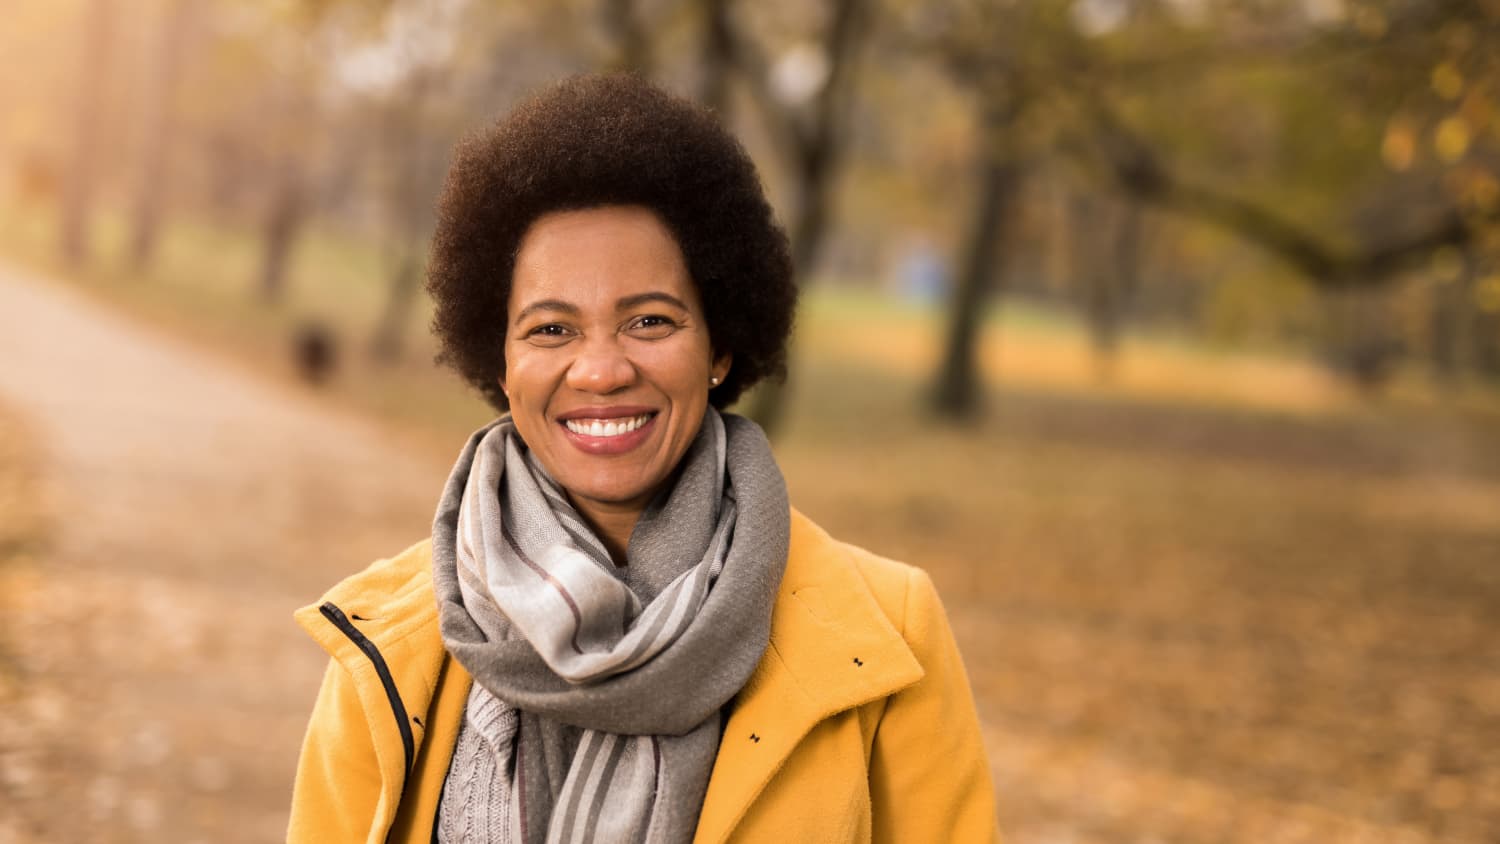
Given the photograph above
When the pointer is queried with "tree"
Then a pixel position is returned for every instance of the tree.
(160, 130)
(410, 148)
(1139, 172)
(632, 41)
(716, 55)
(1129, 93)
(1003, 57)
(1107, 271)
(956, 393)
(1386, 210)
(286, 211)
(82, 170)
(804, 100)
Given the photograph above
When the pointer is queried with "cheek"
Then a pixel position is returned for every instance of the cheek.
(528, 377)
(683, 366)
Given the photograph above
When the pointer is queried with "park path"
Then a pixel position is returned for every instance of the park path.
(165, 687)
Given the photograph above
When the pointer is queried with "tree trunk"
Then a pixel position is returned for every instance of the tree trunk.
(956, 393)
(83, 168)
(1451, 321)
(816, 150)
(407, 148)
(769, 401)
(1484, 344)
(811, 222)
(1112, 279)
(283, 221)
(151, 188)
(1361, 345)
(632, 44)
(717, 56)
(390, 334)
(1091, 280)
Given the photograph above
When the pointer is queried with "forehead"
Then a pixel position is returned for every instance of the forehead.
(595, 256)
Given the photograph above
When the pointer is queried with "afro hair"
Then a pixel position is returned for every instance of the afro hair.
(599, 140)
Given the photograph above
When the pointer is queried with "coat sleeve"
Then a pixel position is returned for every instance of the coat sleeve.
(929, 779)
(335, 796)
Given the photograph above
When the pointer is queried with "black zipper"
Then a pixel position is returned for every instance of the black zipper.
(336, 615)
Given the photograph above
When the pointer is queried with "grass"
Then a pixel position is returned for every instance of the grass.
(202, 286)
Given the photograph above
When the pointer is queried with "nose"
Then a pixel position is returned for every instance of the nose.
(601, 367)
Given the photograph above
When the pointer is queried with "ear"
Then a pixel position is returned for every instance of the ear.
(720, 367)
(500, 376)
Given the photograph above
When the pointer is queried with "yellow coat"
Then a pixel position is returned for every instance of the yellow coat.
(857, 725)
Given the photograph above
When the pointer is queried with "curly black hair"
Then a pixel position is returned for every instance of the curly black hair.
(599, 140)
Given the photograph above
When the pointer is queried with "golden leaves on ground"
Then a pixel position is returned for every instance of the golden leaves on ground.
(1201, 625)
(22, 531)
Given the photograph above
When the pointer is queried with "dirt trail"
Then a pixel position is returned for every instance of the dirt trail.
(165, 687)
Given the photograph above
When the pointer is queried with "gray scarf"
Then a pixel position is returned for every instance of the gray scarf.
(598, 695)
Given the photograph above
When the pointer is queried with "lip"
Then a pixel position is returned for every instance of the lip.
(607, 446)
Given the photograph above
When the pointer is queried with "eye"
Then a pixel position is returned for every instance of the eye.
(651, 326)
(551, 334)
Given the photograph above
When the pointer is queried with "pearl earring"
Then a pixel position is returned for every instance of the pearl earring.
(713, 381)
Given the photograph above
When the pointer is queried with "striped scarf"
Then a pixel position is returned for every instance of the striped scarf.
(599, 694)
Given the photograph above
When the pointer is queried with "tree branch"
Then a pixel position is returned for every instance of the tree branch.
(1139, 172)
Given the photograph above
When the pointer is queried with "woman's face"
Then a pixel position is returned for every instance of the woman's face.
(607, 353)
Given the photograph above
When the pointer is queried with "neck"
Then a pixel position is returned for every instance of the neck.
(612, 523)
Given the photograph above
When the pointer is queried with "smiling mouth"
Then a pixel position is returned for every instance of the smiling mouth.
(606, 428)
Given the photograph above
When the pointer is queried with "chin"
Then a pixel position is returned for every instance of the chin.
(610, 490)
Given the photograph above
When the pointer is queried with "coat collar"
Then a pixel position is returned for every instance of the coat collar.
(832, 649)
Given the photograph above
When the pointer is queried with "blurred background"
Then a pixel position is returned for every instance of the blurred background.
(1164, 333)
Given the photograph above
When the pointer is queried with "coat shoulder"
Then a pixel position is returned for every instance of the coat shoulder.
(393, 577)
(890, 582)
(395, 589)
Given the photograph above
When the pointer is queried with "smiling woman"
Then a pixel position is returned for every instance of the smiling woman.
(620, 630)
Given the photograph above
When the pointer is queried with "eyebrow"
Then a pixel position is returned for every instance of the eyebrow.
(628, 302)
(547, 305)
(624, 303)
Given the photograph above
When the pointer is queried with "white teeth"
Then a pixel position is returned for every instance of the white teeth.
(606, 428)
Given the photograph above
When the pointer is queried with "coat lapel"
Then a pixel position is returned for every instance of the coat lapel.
(832, 649)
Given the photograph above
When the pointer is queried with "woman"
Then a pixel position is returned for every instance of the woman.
(619, 630)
